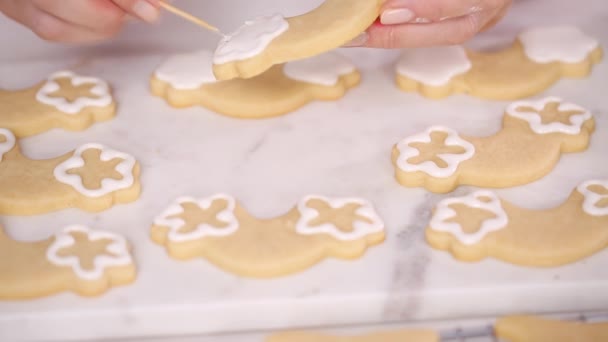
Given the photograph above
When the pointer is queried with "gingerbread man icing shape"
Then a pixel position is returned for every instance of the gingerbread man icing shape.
(390, 336)
(533, 137)
(481, 225)
(77, 259)
(220, 230)
(187, 80)
(538, 329)
(539, 58)
(92, 178)
(65, 100)
(272, 40)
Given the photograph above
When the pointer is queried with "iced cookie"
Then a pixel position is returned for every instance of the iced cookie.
(188, 80)
(220, 230)
(65, 100)
(482, 225)
(538, 59)
(533, 137)
(537, 329)
(92, 178)
(393, 336)
(77, 259)
(271, 40)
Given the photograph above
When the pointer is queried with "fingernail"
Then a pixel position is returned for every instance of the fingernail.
(145, 11)
(397, 16)
(359, 41)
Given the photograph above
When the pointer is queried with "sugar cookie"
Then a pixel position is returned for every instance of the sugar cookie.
(187, 80)
(92, 178)
(539, 58)
(392, 336)
(534, 135)
(482, 225)
(219, 229)
(271, 40)
(537, 329)
(65, 100)
(77, 259)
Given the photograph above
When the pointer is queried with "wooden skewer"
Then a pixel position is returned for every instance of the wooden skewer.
(188, 16)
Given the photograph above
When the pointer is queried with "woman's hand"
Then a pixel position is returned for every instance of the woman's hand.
(419, 23)
(78, 21)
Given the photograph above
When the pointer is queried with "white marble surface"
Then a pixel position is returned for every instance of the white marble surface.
(339, 148)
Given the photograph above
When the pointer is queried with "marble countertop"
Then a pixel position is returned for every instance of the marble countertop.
(338, 148)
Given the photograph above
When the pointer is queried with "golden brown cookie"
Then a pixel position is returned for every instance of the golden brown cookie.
(533, 137)
(76, 259)
(219, 229)
(65, 100)
(539, 58)
(92, 178)
(481, 225)
(537, 329)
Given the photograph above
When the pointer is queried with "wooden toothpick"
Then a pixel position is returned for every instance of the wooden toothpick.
(189, 17)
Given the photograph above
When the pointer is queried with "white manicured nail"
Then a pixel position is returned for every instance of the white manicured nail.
(145, 11)
(397, 16)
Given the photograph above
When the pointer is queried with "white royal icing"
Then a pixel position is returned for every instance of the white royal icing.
(592, 199)
(325, 69)
(360, 228)
(406, 152)
(443, 212)
(188, 71)
(204, 229)
(8, 143)
(100, 89)
(434, 66)
(250, 39)
(119, 249)
(535, 121)
(565, 44)
(108, 185)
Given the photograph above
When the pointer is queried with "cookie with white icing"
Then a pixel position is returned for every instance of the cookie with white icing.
(78, 259)
(539, 329)
(414, 335)
(273, 40)
(481, 225)
(187, 80)
(539, 58)
(219, 229)
(65, 100)
(92, 178)
(533, 137)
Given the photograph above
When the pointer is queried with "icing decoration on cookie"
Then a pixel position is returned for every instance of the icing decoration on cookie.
(218, 229)
(596, 197)
(250, 39)
(78, 259)
(121, 178)
(228, 224)
(92, 178)
(534, 62)
(325, 69)
(539, 329)
(484, 200)
(549, 237)
(440, 160)
(435, 66)
(566, 44)
(570, 117)
(411, 335)
(274, 40)
(7, 141)
(455, 151)
(361, 215)
(99, 93)
(187, 71)
(269, 94)
(116, 253)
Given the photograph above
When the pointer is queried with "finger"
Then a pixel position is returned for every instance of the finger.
(405, 11)
(447, 32)
(101, 16)
(146, 10)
